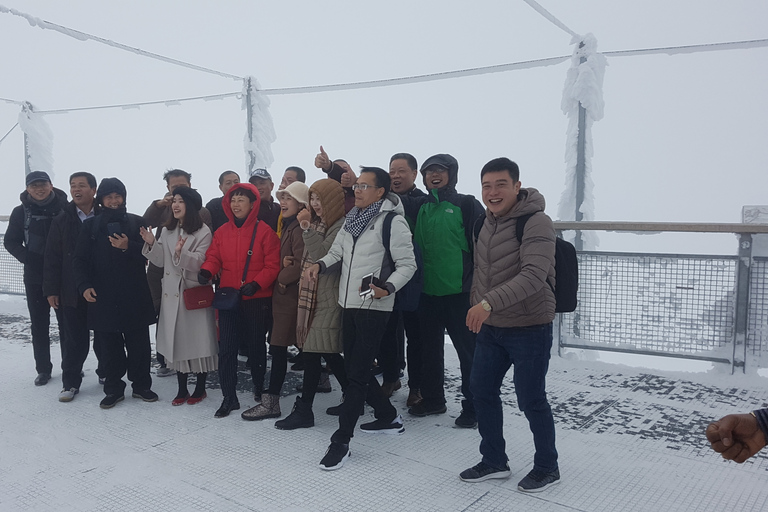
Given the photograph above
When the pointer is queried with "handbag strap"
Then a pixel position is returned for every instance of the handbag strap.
(250, 253)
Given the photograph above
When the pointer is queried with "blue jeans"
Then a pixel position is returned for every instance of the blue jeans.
(496, 349)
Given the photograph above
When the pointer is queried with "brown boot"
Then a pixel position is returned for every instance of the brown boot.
(268, 408)
(414, 398)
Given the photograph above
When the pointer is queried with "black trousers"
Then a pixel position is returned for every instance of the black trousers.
(438, 314)
(312, 369)
(126, 351)
(250, 321)
(76, 344)
(40, 320)
(413, 350)
(362, 330)
(391, 357)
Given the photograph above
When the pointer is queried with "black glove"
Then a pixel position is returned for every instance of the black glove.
(249, 289)
(203, 276)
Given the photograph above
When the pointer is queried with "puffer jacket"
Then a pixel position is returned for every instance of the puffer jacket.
(325, 331)
(515, 278)
(365, 255)
(229, 249)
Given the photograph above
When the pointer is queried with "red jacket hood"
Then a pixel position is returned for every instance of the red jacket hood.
(225, 203)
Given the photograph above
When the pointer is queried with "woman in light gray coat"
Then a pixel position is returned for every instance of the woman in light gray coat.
(318, 326)
(187, 338)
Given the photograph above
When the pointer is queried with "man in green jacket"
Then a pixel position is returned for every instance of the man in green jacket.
(444, 225)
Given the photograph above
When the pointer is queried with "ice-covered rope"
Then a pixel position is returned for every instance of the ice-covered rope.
(691, 48)
(82, 36)
(548, 15)
(14, 102)
(9, 132)
(669, 50)
(125, 106)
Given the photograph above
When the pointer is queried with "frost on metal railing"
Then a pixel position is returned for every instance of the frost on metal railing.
(665, 304)
(757, 322)
(11, 272)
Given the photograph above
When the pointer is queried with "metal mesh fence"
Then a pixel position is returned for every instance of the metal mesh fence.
(663, 303)
(757, 322)
(11, 272)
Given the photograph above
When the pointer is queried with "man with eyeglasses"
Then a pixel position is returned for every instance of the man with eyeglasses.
(25, 239)
(445, 222)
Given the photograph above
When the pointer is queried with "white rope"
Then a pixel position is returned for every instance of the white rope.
(82, 36)
(541, 10)
(670, 50)
(691, 48)
(126, 106)
(9, 132)
(14, 102)
(445, 75)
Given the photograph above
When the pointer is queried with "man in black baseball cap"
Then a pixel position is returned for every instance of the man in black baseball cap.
(25, 239)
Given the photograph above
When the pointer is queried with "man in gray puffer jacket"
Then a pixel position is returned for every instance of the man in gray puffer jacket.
(513, 308)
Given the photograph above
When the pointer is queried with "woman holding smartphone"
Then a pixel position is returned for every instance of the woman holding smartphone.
(187, 338)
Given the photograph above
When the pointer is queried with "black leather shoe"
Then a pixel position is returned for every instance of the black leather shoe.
(42, 379)
(227, 406)
(109, 401)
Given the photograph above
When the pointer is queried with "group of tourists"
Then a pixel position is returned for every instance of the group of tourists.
(363, 271)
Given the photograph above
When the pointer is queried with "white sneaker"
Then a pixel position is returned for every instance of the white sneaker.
(67, 395)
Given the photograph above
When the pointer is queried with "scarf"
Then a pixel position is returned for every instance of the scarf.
(307, 293)
(357, 220)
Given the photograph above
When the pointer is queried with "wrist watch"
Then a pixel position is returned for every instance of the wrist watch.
(487, 307)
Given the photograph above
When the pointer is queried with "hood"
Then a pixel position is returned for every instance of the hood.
(529, 200)
(446, 162)
(393, 203)
(251, 219)
(331, 197)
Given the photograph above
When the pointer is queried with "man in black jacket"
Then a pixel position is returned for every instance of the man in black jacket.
(59, 283)
(403, 170)
(25, 239)
(269, 209)
(110, 275)
(214, 207)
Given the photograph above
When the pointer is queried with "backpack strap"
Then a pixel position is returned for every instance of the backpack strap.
(519, 229)
(386, 237)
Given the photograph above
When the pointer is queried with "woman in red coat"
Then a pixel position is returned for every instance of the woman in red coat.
(252, 317)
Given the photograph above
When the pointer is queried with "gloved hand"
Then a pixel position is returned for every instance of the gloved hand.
(249, 289)
(203, 276)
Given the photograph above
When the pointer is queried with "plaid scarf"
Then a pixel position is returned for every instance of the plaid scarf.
(357, 220)
(307, 293)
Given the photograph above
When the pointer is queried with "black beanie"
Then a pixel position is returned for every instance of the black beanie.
(190, 196)
(108, 186)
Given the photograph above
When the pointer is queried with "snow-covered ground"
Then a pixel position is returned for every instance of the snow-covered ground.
(629, 439)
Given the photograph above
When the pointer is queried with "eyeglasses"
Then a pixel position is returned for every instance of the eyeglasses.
(435, 170)
(363, 186)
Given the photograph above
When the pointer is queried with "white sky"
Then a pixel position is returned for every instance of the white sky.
(683, 137)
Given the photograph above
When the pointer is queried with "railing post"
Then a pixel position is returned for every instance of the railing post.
(741, 312)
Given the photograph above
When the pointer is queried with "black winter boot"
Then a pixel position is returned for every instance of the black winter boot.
(301, 417)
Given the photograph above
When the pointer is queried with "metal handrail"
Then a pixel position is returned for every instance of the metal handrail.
(659, 227)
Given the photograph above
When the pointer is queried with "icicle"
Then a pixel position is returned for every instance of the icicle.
(39, 139)
(583, 85)
(261, 131)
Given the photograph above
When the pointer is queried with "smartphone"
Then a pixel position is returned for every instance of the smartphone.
(114, 229)
(365, 286)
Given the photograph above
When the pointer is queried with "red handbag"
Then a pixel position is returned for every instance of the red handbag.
(198, 297)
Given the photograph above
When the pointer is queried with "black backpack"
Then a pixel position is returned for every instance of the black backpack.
(566, 268)
(407, 297)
